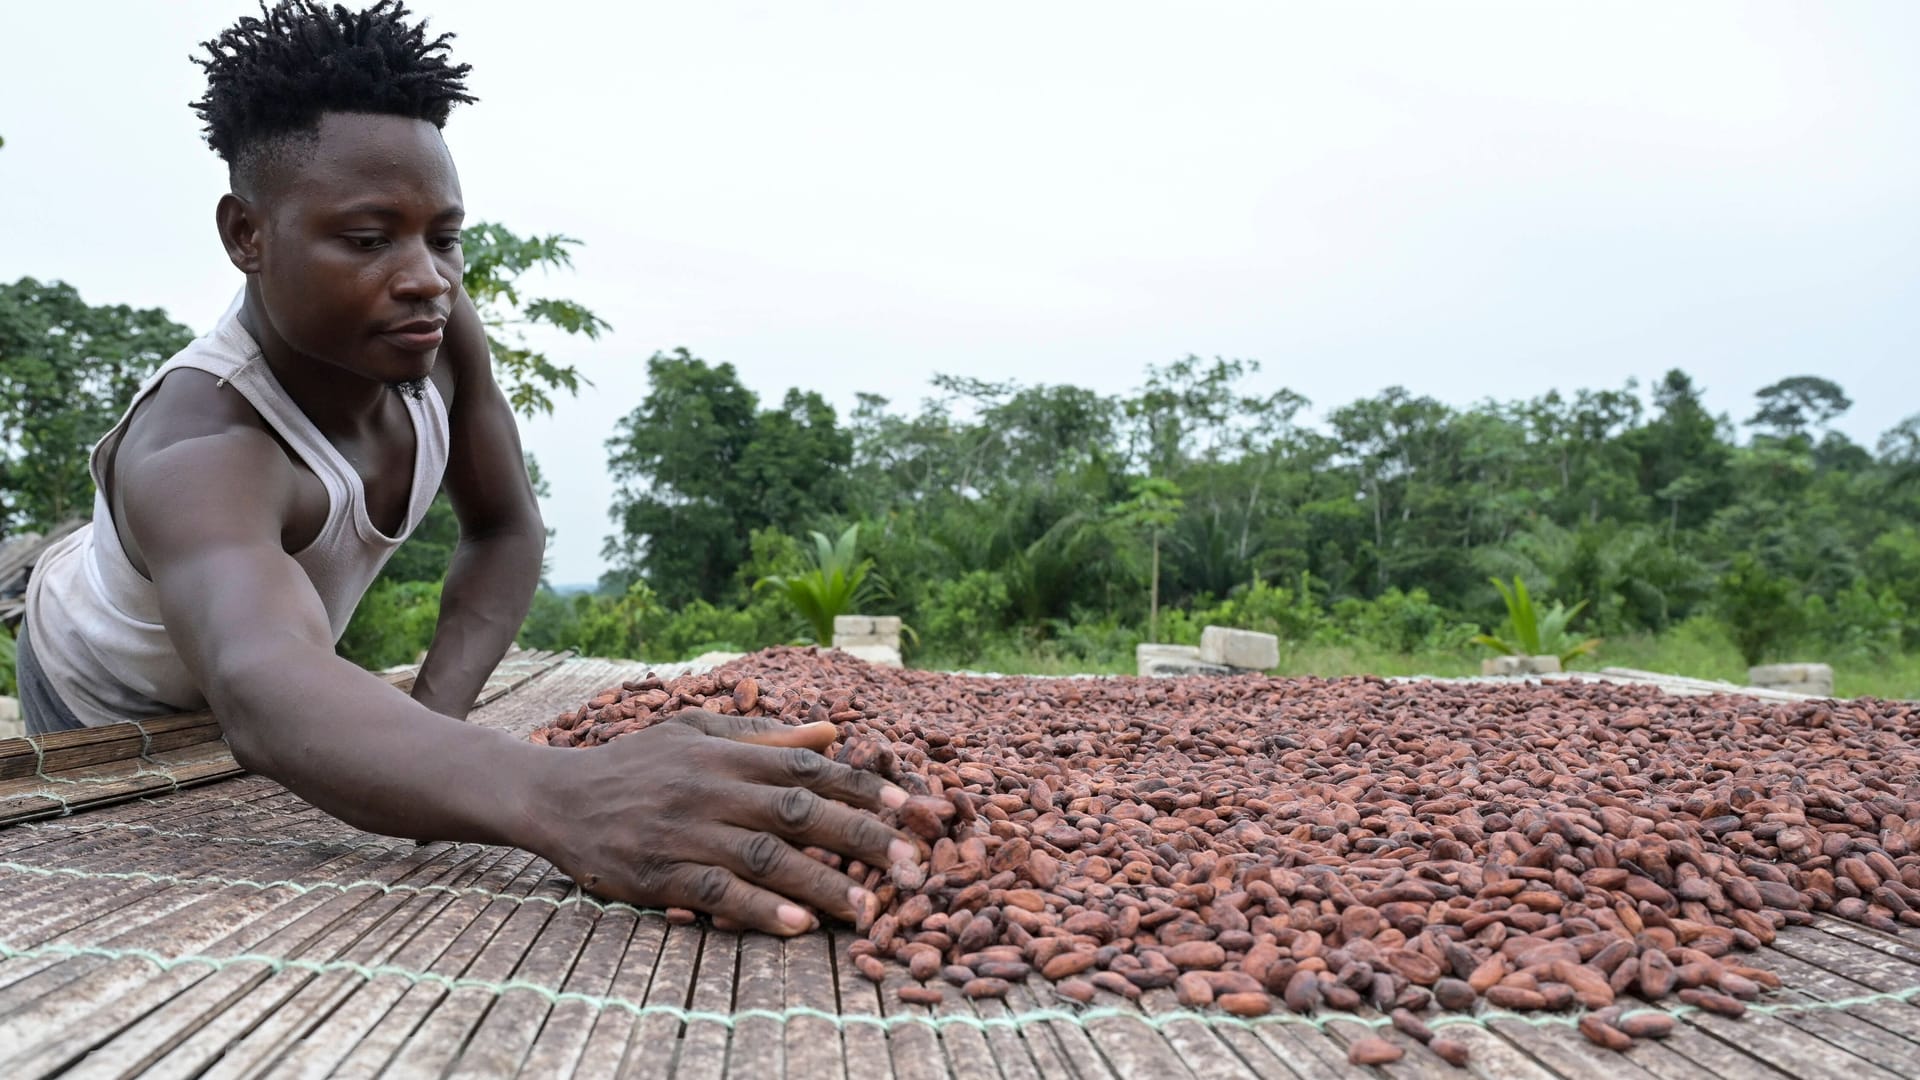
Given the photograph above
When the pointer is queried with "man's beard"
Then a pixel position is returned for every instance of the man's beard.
(412, 389)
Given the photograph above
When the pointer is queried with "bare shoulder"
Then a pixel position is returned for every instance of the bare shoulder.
(193, 445)
(188, 404)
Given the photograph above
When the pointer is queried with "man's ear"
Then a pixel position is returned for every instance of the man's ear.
(240, 230)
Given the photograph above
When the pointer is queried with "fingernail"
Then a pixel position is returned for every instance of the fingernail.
(893, 798)
(793, 916)
(900, 851)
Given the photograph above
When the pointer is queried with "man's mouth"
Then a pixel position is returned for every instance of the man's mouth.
(419, 335)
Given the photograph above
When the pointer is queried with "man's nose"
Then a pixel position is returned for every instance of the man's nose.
(419, 276)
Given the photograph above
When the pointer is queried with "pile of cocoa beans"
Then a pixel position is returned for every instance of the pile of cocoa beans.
(1302, 844)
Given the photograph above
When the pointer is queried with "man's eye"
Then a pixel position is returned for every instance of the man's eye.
(446, 243)
(367, 243)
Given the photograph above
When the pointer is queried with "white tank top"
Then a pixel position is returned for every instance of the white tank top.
(95, 621)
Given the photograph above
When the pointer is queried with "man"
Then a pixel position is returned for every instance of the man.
(262, 476)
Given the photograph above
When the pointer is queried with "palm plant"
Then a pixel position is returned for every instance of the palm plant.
(1531, 632)
(835, 583)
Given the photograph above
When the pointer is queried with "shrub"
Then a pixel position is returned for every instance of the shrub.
(836, 582)
(962, 615)
(1758, 607)
(1404, 622)
(1857, 623)
(1291, 614)
(1530, 631)
(393, 625)
(9, 685)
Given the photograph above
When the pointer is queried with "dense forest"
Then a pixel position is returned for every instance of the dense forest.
(1051, 528)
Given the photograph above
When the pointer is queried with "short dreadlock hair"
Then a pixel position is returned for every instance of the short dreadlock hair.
(273, 77)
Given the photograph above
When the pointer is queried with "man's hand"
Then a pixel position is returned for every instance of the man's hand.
(709, 812)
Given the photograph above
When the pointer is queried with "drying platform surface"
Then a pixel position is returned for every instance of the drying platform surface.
(229, 929)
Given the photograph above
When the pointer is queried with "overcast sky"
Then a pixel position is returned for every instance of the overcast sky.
(1467, 200)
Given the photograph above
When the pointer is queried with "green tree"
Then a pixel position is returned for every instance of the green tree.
(1154, 507)
(1793, 405)
(496, 261)
(700, 466)
(67, 371)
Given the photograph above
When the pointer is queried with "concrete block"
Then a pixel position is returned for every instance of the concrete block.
(1814, 679)
(1170, 660)
(883, 655)
(862, 631)
(1502, 665)
(1520, 665)
(1783, 675)
(1239, 648)
(11, 725)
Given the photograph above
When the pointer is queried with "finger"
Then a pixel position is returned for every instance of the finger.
(795, 767)
(721, 894)
(803, 818)
(772, 863)
(815, 736)
(760, 730)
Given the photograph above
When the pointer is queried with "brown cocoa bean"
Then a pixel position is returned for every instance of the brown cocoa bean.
(1452, 1051)
(1196, 955)
(1373, 1050)
(1411, 1025)
(1713, 1001)
(1079, 990)
(1646, 1025)
(1454, 994)
(1245, 1004)
(1601, 1033)
(986, 988)
(1193, 991)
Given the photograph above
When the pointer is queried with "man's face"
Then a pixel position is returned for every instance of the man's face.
(360, 244)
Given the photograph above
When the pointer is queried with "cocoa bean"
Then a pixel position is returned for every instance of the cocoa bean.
(1373, 1050)
(1646, 1025)
(1079, 990)
(1193, 990)
(1452, 1051)
(1245, 1004)
(1713, 1001)
(1454, 994)
(986, 988)
(1541, 844)
(1411, 1025)
(1604, 1034)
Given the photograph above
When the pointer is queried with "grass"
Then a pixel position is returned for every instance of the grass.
(1698, 650)
(1702, 650)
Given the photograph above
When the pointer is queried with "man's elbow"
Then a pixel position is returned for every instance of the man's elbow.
(242, 698)
(525, 537)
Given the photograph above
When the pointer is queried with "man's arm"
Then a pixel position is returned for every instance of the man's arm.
(671, 815)
(496, 566)
(250, 627)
